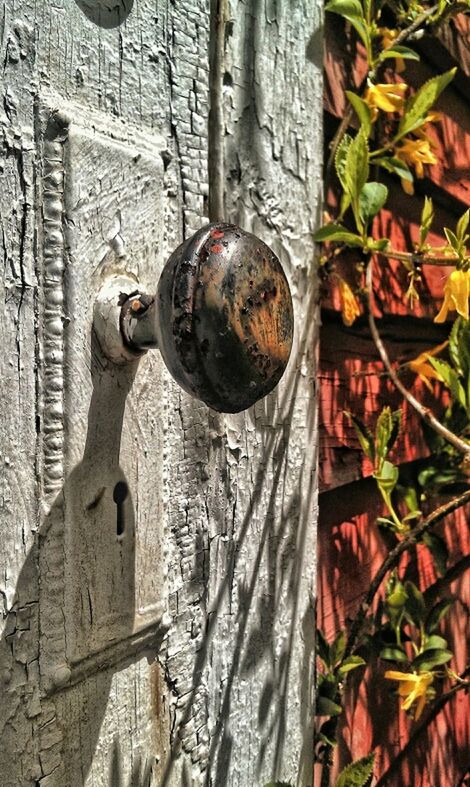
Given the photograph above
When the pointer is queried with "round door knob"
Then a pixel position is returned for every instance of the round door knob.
(222, 317)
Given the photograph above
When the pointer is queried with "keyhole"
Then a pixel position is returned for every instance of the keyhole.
(120, 492)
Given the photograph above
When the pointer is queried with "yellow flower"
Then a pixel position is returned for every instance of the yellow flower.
(417, 153)
(407, 187)
(456, 294)
(433, 117)
(387, 97)
(413, 687)
(423, 368)
(350, 309)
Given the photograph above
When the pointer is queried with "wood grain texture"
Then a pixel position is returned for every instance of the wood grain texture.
(179, 651)
(245, 497)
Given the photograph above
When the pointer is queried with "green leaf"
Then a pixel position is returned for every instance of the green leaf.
(344, 204)
(438, 549)
(352, 11)
(337, 233)
(393, 654)
(452, 239)
(399, 51)
(357, 172)
(412, 516)
(436, 614)
(459, 346)
(396, 424)
(409, 496)
(383, 430)
(372, 198)
(377, 245)
(418, 106)
(345, 7)
(341, 158)
(414, 606)
(326, 707)
(427, 216)
(386, 522)
(431, 658)
(454, 350)
(388, 477)
(357, 773)
(396, 166)
(337, 648)
(451, 379)
(386, 432)
(364, 436)
(352, 662)
(435, 642)
(323, 649)
(398, 595)
(462, 226)
(361, 109)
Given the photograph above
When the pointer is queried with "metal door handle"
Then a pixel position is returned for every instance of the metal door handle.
(222, 318)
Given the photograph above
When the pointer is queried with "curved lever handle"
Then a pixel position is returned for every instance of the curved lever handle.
(222, 318)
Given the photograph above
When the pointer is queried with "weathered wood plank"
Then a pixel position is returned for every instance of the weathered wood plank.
(105, 165)
(350, 552)
(19, 412)
(352, 379)
(242, 502)
(76, 735)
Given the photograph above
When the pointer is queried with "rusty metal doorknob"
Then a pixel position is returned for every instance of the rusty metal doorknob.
(222, 318)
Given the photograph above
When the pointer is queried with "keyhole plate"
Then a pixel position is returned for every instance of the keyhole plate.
(104, 208)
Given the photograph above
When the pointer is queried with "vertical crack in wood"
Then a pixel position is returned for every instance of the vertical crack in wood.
(188, 74)
(216, 130)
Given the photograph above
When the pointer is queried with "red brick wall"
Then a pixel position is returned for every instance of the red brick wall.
(350, 548)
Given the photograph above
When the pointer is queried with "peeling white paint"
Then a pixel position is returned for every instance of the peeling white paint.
(181, 653)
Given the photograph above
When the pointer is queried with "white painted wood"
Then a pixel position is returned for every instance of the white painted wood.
(181, 651)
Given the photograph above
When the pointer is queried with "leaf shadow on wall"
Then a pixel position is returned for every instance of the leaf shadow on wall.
(106, 13)
(80, 625)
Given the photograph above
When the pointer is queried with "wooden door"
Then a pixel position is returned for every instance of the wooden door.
(157, 558)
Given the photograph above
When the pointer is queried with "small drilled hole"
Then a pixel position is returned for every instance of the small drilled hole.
(120, 492)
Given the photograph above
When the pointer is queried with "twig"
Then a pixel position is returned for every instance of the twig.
(392, 558)
(417, 258)
(435, 710)
(461, 445)
(408, 31)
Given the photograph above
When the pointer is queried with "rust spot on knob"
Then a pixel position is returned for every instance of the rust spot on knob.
(225, 322)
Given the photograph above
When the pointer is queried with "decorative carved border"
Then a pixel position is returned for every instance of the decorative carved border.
(55, 132)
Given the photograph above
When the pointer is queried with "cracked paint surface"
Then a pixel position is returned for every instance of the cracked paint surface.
(221, 509)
